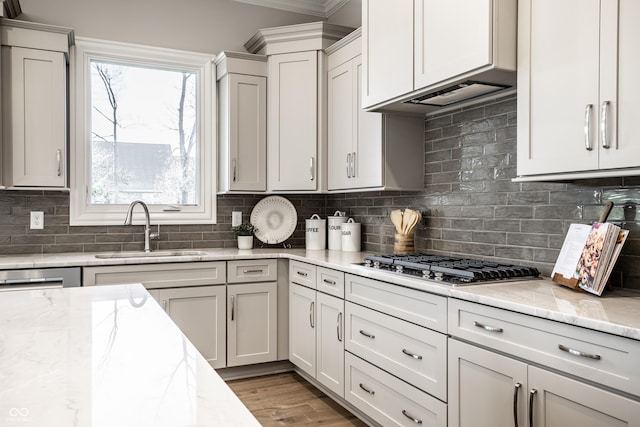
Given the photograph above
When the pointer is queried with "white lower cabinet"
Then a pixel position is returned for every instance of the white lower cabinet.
(388, 400)
(316, 325)
(252, 318)
(489, 389)
(190, 309)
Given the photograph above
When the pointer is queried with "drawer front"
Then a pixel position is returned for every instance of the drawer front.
(330, 281)
(302, 273)
(410, 352)
(414, 306)
(248, 271)
(157, 276)
(603, 358)
(388, 400)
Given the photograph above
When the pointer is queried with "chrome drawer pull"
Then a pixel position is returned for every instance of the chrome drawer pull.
(587, 127)
(532, 393)
(604, 124)
(59, 162)
(252, 271)
(368, 390)
(415, 356)
(366, 334)
(415, 420)
(311, 310)
(579, 353)
(516, 389)
(329, 282)
(488, 328)
(301, 273)
(339, 327)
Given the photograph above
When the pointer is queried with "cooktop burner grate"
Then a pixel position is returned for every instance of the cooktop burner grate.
(450, 269)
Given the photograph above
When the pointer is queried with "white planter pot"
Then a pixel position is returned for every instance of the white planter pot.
(245, 242)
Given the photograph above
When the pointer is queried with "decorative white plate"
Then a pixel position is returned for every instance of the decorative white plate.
(275, 218)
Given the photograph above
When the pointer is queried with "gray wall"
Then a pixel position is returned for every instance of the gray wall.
(207, 26)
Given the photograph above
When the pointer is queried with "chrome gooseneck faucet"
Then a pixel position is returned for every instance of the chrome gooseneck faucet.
(148, 235)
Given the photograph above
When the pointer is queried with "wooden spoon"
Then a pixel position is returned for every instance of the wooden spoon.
(396, 219)
(604, 214)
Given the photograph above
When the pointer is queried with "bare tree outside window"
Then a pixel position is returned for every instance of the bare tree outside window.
(144, 135)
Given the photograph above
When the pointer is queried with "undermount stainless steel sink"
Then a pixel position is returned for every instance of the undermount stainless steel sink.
(152, 254)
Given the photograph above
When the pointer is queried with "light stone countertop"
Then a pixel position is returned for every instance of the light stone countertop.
(104, 356)
(616, 312)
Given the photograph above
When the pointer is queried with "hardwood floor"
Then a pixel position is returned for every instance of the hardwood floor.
(288, 400)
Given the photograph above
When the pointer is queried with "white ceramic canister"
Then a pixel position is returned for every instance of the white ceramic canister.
(351, 236)
(315, 233)
(335, 230)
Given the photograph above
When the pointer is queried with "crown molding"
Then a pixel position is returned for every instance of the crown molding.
(321, 8)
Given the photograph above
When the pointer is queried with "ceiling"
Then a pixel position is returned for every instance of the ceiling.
(321, 8)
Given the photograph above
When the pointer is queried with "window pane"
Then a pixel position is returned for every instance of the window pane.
(145, 143)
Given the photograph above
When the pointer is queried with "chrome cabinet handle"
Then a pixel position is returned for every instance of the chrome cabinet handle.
(233, 307)
(252, 271)
(368, 335)
(368, 390)
(587, 127)
(339, 327)
(604, 124)
(488, 328)
(164, 304)
(329, 282)
(532, 393)
(578, 352)
(516, 390)
(349, 165)
(234, 163)
(311, 307)
(408, 353)
(415, 420)
(59, 161)
(353, 164)
(311, 169)
(301, 273)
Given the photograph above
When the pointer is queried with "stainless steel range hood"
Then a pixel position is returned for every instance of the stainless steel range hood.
(461, 92)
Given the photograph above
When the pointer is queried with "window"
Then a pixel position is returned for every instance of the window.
(143, 124)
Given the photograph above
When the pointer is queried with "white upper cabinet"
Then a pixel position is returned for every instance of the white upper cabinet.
(296, 103)
(358, 140)
(242, 113)
(578, 88)
(413, 49)
(34, 105)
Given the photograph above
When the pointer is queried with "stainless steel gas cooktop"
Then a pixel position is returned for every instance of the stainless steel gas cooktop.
(450, 270)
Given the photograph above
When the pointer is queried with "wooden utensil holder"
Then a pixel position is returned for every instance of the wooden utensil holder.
(403, 244)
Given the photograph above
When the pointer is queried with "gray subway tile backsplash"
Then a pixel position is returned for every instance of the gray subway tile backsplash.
(470, 204)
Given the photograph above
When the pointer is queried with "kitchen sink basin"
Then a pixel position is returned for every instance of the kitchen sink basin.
(152, 254)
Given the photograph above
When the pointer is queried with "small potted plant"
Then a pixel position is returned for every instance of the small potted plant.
(244, 232)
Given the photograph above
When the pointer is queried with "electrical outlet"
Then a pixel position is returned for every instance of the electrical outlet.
(236, 218)
(37, 220)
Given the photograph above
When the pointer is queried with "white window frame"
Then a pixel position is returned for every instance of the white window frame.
(81, 212)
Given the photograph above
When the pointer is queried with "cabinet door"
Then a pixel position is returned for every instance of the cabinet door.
(367, 151)
(467, 45)
(560, 401)
(330, 343)
(35, 116)
(485, 387)
(252, 323)
(620, 86)
(302, 332)
(247, 133)
(292, 117)
(199, 312)
(341, 109)
(387, 50)
(558, 80)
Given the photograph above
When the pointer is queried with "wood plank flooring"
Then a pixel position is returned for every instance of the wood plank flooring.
(288, 400)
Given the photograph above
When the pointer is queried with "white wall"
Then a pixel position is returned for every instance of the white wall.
(208, 26)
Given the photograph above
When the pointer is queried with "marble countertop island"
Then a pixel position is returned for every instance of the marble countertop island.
(104, 356)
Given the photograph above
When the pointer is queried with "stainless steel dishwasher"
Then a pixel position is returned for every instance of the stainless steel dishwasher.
(40, 278)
